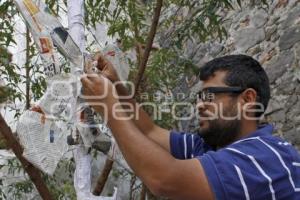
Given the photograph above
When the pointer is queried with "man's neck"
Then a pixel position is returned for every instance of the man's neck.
(247, 128)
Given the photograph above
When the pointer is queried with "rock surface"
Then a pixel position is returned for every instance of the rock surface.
(273, 38)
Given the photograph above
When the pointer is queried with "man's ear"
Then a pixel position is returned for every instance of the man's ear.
(249, 95)
(249, 102)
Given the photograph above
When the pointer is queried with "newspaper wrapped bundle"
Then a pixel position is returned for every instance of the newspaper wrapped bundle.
(44, 140)
(60, 97)
(47, 31)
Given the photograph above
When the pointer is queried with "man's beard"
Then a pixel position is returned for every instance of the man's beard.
(221, 132)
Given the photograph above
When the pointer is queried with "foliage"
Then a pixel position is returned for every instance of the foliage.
(15, 189)
(8, 71)
(61, 183)
(165, 70)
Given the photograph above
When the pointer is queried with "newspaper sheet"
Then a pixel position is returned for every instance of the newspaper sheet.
(44, 140)
(60, 97)
(47, 32)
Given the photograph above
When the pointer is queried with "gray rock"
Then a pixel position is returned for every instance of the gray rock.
(273, 20)
(278, 116)
(287, 86)
(297, 78)
(248, 37)
(199, 52)
(294, 113)
(275, 37)
(293, 16)
(273, 106)
(293, 136)
(270, 31)
(291, 102)
(277, 69)
(259, 18)
(190, 48)
(239, 16)
(204, 51)
(290, 37)
(254, 50)
(215, 49)
(296, 121)
(287, 126)
(297, 50)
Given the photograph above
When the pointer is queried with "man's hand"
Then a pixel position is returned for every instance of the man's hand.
(106, 67)
(98, 92)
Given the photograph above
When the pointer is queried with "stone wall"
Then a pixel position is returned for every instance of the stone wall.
(272, 36)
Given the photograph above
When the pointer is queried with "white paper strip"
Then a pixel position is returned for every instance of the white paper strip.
(82, 175)
(76, 22)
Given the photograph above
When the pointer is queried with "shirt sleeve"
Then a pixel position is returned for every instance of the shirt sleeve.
(247, 170)
(186, 145)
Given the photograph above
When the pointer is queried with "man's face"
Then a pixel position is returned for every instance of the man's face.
(219, 121)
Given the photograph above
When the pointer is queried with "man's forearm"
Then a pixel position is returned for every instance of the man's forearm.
(147, 159)
(150, 161)
(140, 118)
(154, 165)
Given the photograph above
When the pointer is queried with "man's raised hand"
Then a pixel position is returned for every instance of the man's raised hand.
(105, 67)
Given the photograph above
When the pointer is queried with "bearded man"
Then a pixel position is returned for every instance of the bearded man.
(232, 158)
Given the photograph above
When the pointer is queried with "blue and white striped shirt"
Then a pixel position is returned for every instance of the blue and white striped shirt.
(260, 166)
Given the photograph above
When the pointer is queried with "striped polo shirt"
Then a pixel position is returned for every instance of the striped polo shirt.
(260, 166)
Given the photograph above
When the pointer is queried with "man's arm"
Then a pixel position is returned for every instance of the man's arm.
(143, 121)
(163, 174)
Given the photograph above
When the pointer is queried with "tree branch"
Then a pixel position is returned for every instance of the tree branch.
(149, 43)
(103, 177)
(34, 173)
(142, 66)
(143, 192)
(27, 68)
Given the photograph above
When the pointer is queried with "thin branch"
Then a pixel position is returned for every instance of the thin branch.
(149, 43)
(132, 182)
(138, 47)
(143, 192)
(34, 173)
(142, 65)
(27, 68)
(103, 177)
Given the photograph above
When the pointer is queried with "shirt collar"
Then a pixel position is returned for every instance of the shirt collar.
(263, 130)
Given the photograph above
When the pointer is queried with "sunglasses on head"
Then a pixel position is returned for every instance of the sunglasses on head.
(208, 94)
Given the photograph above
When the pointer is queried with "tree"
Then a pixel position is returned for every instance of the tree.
(136, 23)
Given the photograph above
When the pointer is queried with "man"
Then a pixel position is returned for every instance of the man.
(233, 157)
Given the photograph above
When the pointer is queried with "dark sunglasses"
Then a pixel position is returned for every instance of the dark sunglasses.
(208, 94)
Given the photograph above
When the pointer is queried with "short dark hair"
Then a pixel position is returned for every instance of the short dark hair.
(242, 71)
